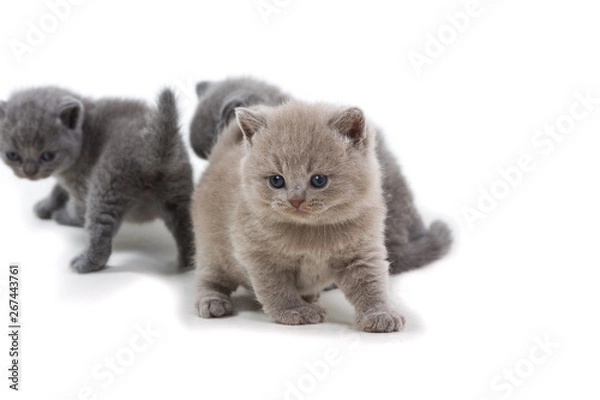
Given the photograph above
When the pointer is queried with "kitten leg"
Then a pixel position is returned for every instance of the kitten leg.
(68, 215)
(57, 199)
(276, 290)
(364, 283)
(177, 217)
(214, 294)
(106, 207)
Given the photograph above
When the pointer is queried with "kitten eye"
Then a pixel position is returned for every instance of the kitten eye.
(277, 181)
(47, 156)
(318, 181)
(12, 156)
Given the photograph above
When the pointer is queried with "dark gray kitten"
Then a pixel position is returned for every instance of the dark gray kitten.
(410, 244)
(113, 160)
(218, 101)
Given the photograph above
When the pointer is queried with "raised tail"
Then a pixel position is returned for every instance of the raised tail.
(428, 247)
(166, 125)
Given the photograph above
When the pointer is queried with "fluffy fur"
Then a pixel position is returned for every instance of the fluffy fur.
(410, 244)
(217, 102)
(287, 244)
(113, 160)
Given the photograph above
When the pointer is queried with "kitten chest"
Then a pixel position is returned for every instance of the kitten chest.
(313, 275)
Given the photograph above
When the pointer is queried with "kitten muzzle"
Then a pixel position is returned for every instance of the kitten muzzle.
(30, 168)
(296, 203)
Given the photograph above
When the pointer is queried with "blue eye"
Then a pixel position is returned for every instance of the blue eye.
(277, 181)
(47, 156)
(12, 156)
(318, 181)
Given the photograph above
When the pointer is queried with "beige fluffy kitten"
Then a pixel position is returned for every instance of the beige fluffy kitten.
(290, 203)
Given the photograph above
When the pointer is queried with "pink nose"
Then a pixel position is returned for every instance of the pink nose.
(296, 202)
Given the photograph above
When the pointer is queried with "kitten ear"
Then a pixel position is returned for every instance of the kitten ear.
(201, 87)
(351, 123)
(2, 109)
(70, 112)
(228, 110)
(249, 121)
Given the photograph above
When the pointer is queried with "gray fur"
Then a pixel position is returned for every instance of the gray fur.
(114, 160)
(2, 109)
(218, 101)
(410, 244)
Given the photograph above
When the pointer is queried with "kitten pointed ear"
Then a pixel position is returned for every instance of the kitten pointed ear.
(228, 109)
(201, 87)
(249, 121)
(351, 123)
(2, 109)
(70, 113)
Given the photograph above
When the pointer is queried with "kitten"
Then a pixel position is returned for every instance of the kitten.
(218, 100)
(409, 243)
(112, 159)
(297, 206)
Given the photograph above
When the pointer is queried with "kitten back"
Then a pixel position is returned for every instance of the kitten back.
(434, 244)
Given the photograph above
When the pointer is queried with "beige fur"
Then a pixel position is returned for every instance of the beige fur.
(248, 233)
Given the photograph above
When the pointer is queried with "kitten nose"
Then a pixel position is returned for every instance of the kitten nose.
(296, 203)
(30, 168)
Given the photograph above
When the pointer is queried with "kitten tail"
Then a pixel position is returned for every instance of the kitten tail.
(166, 125)
(431, 246)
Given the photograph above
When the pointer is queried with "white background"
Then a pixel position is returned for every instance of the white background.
(525, 273)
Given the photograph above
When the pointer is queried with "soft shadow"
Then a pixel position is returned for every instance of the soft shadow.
(249, 315)
(150, 249)
(137, 248)
(152, 238)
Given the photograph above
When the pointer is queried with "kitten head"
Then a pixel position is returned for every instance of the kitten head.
(40, 132)
(217, 102)
(214, 112)
(309, 163)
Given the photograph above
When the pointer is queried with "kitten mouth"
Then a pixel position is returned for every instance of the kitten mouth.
(296, 211)
(35, 178)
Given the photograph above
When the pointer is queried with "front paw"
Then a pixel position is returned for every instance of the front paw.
(42, 210)
(83, 264)
(300, 315)
(380, 321)
(214, 306)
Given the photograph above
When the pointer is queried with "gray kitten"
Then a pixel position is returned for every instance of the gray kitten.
(218, 101)
(297, 206)
(113, 160)
(409, 243)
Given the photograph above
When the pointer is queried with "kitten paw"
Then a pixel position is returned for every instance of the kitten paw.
(381, 321)
(42, 210)
(214, 307)
(83, 264)
(301, 315)
(63, 217)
